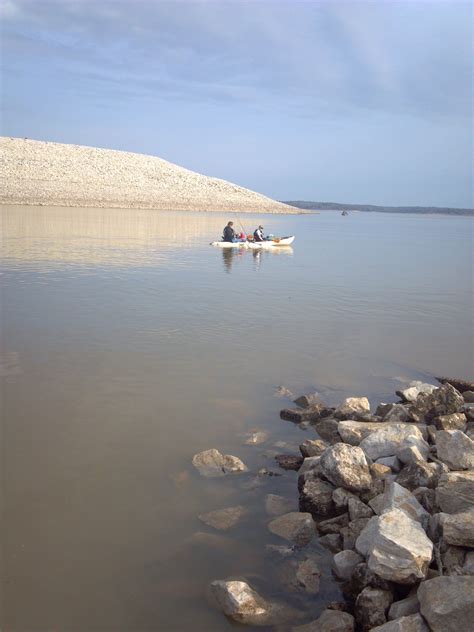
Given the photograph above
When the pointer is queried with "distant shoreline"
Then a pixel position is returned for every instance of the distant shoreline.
(371, 208)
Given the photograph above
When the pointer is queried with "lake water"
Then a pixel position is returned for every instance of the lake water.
(129, 345)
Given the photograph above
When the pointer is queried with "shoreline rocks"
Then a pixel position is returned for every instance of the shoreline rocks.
(390, 498)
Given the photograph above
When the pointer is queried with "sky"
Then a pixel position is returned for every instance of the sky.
(368, 102)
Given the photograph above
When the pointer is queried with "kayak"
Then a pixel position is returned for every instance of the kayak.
(255, 245)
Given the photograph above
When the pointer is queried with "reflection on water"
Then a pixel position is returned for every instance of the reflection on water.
(129, 344)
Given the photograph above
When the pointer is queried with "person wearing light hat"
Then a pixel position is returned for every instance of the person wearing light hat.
(258, 234)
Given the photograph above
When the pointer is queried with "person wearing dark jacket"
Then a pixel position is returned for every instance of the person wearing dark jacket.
(229, 233)
(258, 234)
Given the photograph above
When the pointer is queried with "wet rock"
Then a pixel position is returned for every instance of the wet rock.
(397, 497)
(460, 385)
(371, 607)
(410, 393)
(458, 529)
(410, 623)
(241, 603)
(419, 474)
(300, 575)
(224, 519)
(358, 509)
(396, 547)
(289, 462)
(327, 430)
(388, 439)
(264, 471)
(278, 505)
(316, 497)
(404, 607)
(455, 492)
(255, 438)
(329, 621)
(447, 604)
(296, 527)
(344, 563)
(443, 401)
(333, 525)
(399, 413)
(311, 399)
(211, 463)
(346, 466)
(352, 406)
(455, 449)
(455, 421)
(312, 413)
(331, 541)
(313, 447)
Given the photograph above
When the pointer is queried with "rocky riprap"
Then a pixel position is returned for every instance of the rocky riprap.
(390, 495)
(54, 174)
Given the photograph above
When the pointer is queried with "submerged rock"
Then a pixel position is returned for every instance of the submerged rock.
(224, 519)
(296, 527)
(300, 575)
(329, 621)
(311, 399)
(256, 437)
(289, 461)
(277, 505)
(346, 466)
(211, 463)
(447, 603)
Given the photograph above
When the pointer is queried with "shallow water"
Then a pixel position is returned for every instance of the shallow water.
(129, 344)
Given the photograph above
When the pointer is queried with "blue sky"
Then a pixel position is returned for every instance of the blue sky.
(363, 102)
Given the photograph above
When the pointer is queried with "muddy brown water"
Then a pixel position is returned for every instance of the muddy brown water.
(129, 344)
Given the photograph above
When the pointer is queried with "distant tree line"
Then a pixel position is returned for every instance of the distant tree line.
(371, 208)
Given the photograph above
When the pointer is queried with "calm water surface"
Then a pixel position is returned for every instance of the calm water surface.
(129, 344)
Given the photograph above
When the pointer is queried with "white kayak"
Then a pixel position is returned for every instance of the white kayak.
(256, 245)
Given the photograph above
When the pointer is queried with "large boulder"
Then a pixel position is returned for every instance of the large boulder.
(211, 463)
(455, 449)
(447, 603)
(443, 401)
(397, 548)
(346, 466)
(388, 439)
(241, 603)
(455, 492)
(296, 527)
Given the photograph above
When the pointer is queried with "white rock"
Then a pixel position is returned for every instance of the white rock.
(455, 449)
(211, 463)
(396, 546)
(410, 393)
(387, 440)
(352, 405)
(346, 466)
(397, 497)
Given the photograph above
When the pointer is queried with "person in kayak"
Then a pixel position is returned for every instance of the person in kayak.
(258, 234)
(229, 233)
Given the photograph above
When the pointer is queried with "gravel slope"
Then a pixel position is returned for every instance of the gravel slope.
(53, 174)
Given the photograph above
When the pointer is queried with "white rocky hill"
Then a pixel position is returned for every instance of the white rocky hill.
(53, 174)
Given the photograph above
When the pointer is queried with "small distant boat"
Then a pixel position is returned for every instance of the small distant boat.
(276, 242)
(344, 213)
